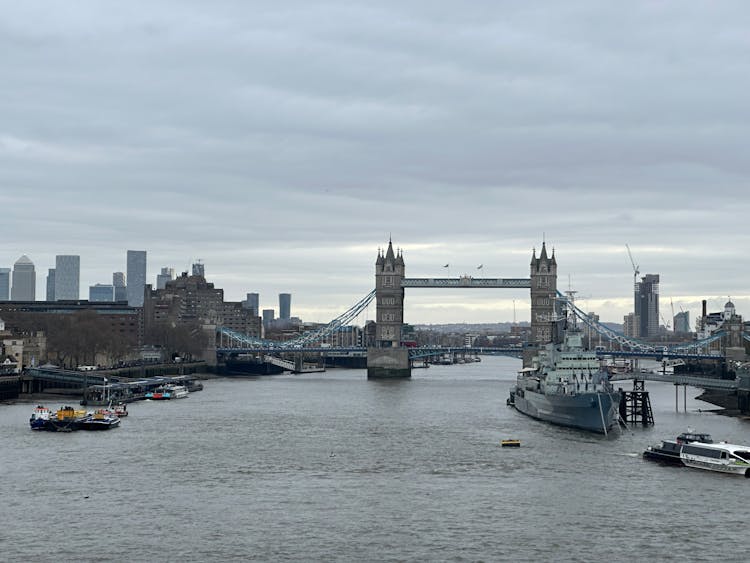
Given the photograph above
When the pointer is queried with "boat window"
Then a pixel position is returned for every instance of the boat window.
(744, 454)
(705, 452)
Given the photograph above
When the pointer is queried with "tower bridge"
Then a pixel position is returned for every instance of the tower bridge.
(387, 358)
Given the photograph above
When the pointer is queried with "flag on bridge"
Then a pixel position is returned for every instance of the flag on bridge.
(446, 265)
(480, 266)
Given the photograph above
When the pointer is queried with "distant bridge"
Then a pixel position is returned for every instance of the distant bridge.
(693, 381)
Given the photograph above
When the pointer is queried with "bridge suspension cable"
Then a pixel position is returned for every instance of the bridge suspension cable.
(236, 339)
(633, 343)
(340, 321)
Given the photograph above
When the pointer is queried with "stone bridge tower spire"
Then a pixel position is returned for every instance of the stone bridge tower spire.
(389, 295)
(543, 297)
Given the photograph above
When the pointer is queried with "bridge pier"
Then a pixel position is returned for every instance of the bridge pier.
(388, 363)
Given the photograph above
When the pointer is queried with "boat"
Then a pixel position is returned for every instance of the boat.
(167, 392)
(722, 457)
(511, 443)
(120, 410)
(100, 419)
(40, 418)
(669, 451)
(66, 419)
(565, 385)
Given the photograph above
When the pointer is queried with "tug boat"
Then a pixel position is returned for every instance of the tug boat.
(40, 418)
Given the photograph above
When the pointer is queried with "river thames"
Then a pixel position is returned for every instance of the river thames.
(332, 467)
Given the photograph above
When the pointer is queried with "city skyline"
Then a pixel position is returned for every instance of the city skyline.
(314, 132)
(519, 305)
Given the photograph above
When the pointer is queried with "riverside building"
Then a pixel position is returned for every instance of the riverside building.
(191, 300)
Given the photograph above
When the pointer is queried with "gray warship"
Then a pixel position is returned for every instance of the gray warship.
(565, 385)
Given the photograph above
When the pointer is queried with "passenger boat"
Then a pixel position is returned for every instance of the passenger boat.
(669, 451)
(511, 443)
(721, 457)
(40, 418)
(100, 419)
(167, 392)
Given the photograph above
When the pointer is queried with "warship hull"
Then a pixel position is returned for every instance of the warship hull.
(594, 412)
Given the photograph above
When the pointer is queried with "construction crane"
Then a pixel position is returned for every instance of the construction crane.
(671, 305)
(636, 271)
(666, 322)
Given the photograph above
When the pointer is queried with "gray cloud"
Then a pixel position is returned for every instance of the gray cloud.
(282, 144)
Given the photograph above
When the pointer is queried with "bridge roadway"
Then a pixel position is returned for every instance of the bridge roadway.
(432, 350)
(468, 281)
(420, 352)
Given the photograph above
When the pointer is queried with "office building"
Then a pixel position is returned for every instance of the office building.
(267, 317)
(631, 326)
(647, 305)
(121, 290)
(4, 284)
(199, 269)
(167, 274)
(682, 322)
(285, 306)
(51, 284)
(253, 303)
(136, 278)
(101, 292)
(24, 280)
(67, 277)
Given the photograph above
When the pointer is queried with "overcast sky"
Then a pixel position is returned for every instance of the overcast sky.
(283, 142)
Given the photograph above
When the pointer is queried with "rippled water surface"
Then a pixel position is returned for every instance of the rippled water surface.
(332, 467)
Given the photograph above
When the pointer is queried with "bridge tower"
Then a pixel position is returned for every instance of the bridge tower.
(388, 359)
(389, 296)
(544, 309)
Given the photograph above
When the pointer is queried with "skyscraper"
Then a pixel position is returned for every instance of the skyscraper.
(101, 292)
(121, 291)
(4, 284)
(51, 284)
(199, 269)
(24, 280)
(167, 274)
(285, 306)
(253, 303)
(136, 281)
(682, 321)
(647, 305)
(67, 277)
(267, 317)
